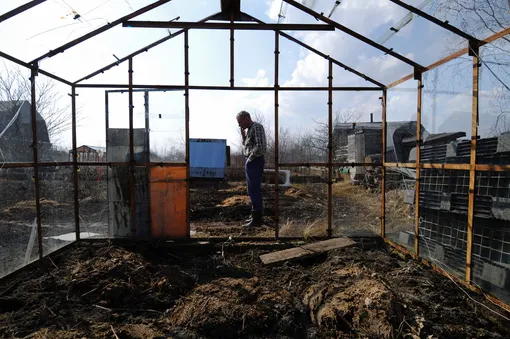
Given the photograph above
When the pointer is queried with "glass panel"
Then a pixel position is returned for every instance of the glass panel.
(443, 218)
(167, 58)
(401, 122)
(18, 240)
(446, 112)
(399, 207)
(166, 125)
(478, 18)
(93, 202)
(54, 126)
(215, 70)
(57, 207)
(254, 58)
(356, 193)
(491, 240)
(15, 113)
(303, 127)
(494, 96)
(415, 37)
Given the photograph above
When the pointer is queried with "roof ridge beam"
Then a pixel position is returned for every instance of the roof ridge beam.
(141, 50)
(354, 34)
(100, 30)
(319, 53)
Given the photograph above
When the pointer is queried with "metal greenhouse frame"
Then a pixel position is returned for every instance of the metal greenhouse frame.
(232, 18)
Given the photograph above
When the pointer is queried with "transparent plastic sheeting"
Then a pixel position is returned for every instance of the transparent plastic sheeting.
(18, 226)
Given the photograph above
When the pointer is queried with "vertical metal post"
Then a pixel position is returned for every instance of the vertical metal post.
(475, 50)
(276, 151)
(418, 161)
(75, 164)
(36, 159)
(148, 147)
(383, 169)
(330, 149)
(132, 187)
(232, 51)
(186, 128)
(107, 169)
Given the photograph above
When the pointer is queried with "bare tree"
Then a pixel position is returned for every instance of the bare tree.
(16, 86)
(318, 139)
(481, 18)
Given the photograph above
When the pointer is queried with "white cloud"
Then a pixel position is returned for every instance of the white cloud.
(260, 80)
(273, 9)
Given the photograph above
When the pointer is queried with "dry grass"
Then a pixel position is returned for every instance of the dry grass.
(315, 228)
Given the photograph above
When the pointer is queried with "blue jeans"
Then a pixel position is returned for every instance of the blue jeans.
(254, 170)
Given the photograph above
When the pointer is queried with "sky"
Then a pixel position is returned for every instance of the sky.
(212, 113)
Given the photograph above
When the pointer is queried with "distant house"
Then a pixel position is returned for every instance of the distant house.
(16, 132)
(89, 154)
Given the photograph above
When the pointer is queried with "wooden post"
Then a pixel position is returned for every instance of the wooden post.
(417, 183)
(474, 51)
(383, 169)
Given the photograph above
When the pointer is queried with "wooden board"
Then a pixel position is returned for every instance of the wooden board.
(306, 250)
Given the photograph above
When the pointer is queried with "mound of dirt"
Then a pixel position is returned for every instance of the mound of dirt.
(235, 200)
(364, 306)
(233, 308)
(118, 278)
(26, 209)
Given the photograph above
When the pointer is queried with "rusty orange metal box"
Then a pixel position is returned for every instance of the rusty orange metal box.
(168, 202)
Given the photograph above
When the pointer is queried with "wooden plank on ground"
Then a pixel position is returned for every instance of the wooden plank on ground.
(308, 250)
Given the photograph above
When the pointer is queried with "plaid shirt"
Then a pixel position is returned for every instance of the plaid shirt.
(255, 144)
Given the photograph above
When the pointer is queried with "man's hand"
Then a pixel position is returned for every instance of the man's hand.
(243, 133)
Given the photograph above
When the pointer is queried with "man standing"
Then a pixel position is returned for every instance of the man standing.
(254, 148)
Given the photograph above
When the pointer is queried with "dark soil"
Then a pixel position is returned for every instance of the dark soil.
(223, 291)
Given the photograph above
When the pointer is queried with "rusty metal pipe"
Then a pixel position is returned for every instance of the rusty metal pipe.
(276, 143)
(187, 117)
(383, 183)
(132, 187)
(330, 150)
(75, 164)
(35, 145)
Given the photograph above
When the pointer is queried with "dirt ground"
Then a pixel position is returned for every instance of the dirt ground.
(302, 210)
(223, 291)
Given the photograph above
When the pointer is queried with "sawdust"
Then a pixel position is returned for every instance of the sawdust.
(230, 308)
(235, 200)
(296, 193)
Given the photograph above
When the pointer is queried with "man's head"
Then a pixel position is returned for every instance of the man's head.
(244, 119)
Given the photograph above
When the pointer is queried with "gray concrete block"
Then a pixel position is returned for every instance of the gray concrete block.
(503, 143)
(451, 149)
(500, 208)
(494, 274)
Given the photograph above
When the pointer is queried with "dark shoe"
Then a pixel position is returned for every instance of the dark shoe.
(255, 221)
